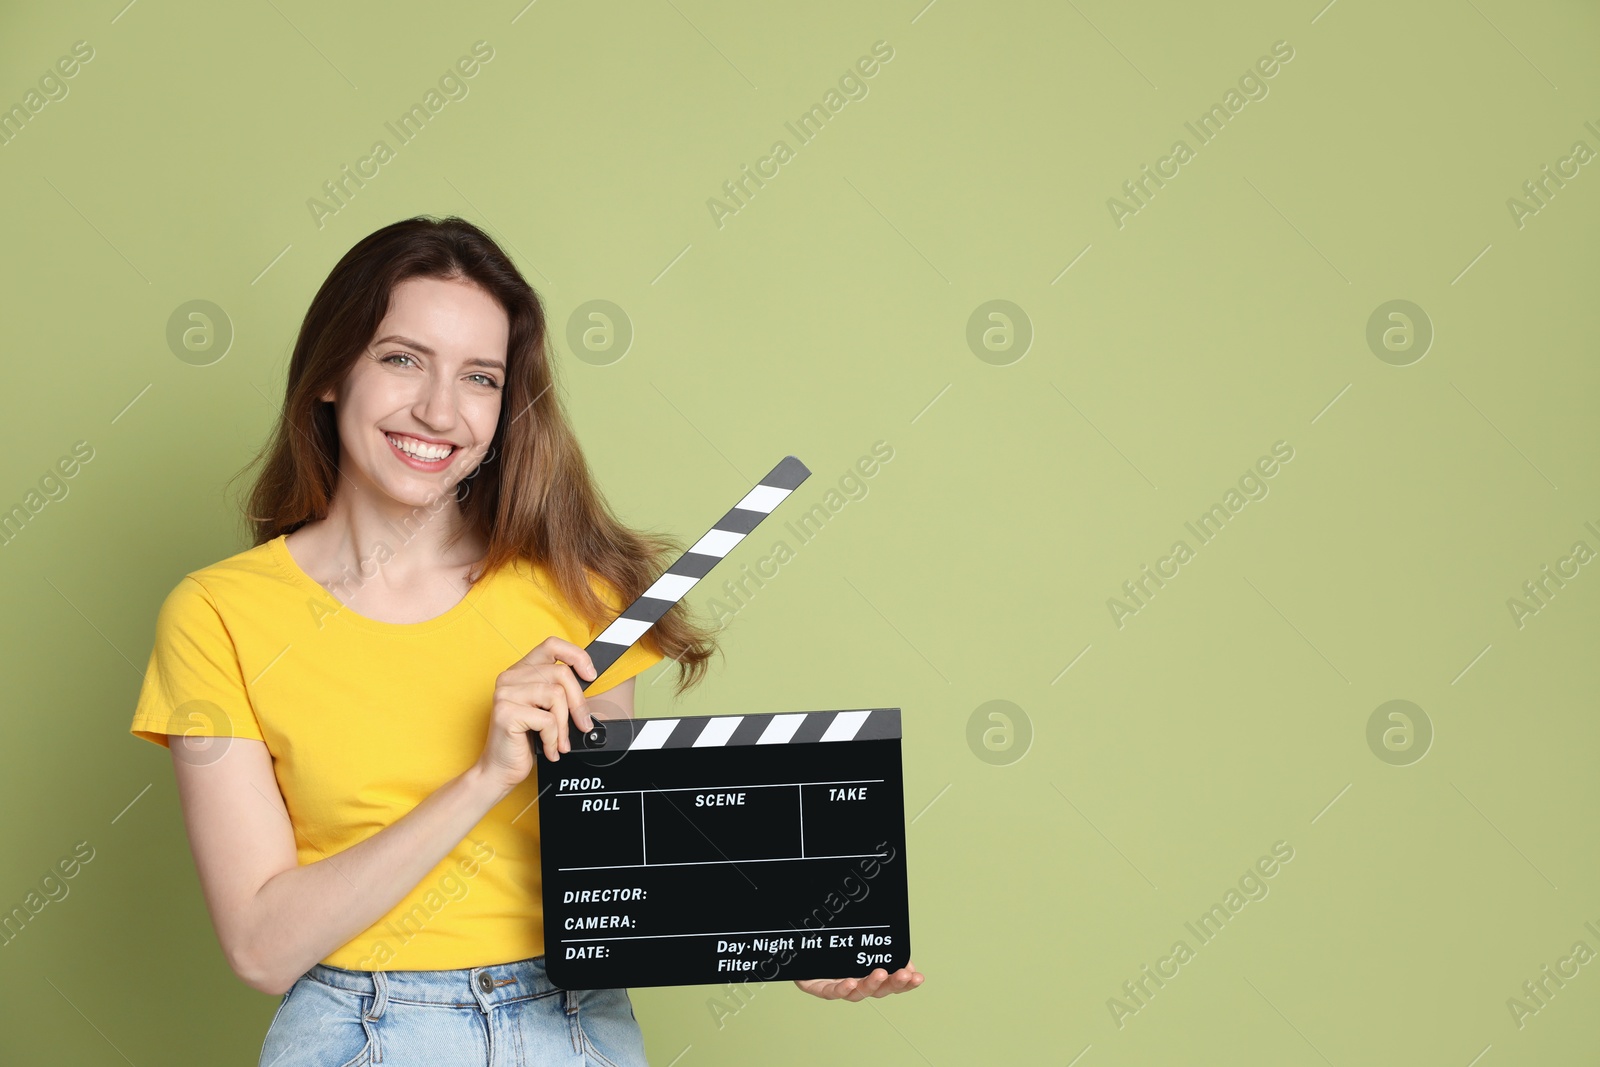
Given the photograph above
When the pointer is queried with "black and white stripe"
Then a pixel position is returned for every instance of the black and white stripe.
(676, 581)
(727, 731)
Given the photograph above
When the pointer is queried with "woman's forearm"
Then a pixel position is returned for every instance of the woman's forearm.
(303, 914)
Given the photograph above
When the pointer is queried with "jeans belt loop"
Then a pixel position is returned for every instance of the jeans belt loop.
(380, 995)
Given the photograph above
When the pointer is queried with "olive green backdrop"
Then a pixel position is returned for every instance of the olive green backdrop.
(1069, 374)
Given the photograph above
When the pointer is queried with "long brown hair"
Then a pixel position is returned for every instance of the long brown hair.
(532, 497)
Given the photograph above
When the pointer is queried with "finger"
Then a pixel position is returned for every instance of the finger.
(547, 702)
(892, 985)
(548, 720)
(533, 725)
(553, 697)
(550, 738)
(562, 675)
(553, 648)
(826, 988)
(511, 706)
(539, 726)
(868, 986)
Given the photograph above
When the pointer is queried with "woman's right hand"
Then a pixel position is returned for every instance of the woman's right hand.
(537, 694)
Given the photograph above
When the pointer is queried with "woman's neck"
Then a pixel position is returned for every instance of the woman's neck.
(398, 554)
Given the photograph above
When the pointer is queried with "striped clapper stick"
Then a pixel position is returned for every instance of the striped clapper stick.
(726, 848)
(676, 581)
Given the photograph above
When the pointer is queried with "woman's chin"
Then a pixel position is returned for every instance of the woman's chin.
(421, 493)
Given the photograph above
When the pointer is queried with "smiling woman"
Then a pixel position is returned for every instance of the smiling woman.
(436, 405)
(376, 735)
(375, 738)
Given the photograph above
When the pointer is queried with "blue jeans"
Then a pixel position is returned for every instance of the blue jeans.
(502, 1015)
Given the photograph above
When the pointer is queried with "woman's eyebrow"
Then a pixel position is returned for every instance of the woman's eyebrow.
(425, 350)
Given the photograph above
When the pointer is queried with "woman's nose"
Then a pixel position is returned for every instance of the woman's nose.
(436, 406)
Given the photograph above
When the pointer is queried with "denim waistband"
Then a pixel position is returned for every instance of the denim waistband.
(481, 987)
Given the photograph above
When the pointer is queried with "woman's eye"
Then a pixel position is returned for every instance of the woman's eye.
(482, 378)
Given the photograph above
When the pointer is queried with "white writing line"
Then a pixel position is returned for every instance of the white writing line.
(722, 933)
(715, 788)
(701, 863)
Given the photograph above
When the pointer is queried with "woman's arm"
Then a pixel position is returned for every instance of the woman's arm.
(273, 916)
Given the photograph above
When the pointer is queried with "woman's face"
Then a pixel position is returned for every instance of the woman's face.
(430, 382)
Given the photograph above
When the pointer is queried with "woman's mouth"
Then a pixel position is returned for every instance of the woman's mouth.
(420, 455)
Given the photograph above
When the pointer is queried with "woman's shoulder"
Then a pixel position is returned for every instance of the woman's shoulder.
(536, 581)
(256, 561)
(241, 577)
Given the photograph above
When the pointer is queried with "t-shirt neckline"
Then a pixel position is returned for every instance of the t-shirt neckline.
(337, 608)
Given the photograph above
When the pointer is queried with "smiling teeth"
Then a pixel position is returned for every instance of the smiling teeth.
(418, 449)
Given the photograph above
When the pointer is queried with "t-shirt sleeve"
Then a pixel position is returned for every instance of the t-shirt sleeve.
(637, 659)
(193, 684)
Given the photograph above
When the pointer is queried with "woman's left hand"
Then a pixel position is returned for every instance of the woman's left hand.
(880, 983)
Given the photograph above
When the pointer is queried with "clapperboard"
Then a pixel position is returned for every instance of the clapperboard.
(727, 848)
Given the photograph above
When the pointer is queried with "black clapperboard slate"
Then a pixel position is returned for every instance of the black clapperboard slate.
(724, 848)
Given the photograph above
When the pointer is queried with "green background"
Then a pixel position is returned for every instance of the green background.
(832, 312)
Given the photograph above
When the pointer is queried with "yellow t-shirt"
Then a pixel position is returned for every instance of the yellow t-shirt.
(364, 719)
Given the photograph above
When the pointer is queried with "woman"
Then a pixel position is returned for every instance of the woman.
(352, 749)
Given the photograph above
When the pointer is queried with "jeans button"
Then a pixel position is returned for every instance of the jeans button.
(485, 982)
